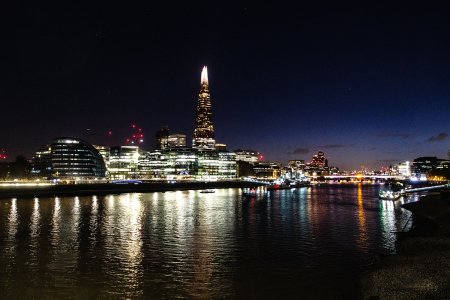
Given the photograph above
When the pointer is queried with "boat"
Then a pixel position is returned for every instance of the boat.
(287, 185)
(389, 195)
(207, 191)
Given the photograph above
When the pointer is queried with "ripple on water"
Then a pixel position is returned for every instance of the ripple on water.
(191, 245)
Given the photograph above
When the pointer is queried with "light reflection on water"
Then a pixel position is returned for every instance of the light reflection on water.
(185, 244)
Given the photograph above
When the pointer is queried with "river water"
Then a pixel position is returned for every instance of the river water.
(308, 243)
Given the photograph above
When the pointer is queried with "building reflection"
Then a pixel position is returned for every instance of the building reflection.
(363, 242)
(56, 220)
(128, 251)
(93, 223)
(13, 220)
(76, 214)
(387, 223)
(34, 232)
(34, 221)
(189, 244)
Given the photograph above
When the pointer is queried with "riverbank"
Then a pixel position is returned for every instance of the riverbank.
(421, 268)
(111, 188)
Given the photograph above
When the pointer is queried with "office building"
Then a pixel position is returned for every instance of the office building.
(75, 159)
(204, 137)
(123, 162)
(41, 163)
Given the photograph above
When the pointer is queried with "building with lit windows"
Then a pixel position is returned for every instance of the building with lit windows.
(187, 164)
(123, 162)
(227, 165)
(42, 162)
(104, 152)
(179, 163)
(74, 159)
(245, 160)
(204, 137)
(404, 168)
(162, 136)
(250, 156)
(319, 160)
(422, 166)
(172, 160)
(176, 140)
(267, 170)
(319, 166)
(296, 169)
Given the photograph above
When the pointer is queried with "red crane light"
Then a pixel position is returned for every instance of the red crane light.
(137, 135)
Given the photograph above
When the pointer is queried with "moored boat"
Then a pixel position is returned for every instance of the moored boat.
(285, 186)
(389, 195)
(207, 191)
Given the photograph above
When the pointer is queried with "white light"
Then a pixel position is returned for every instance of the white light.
(204, 75)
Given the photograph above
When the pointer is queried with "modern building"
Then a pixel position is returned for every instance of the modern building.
(319, 166)
(123, 162)
(165, 140)
(319, 160)
(204, 137)
(296, 168)
(227, 165)
(176, 140)
(187, 163)
(425, 164)
(104, 152)
(267, 170)
(172, 160)
(250, 156)
(178, 163)
(404, 168)
(221, 147)
(41, 163)
(162, 137)
(75, 159)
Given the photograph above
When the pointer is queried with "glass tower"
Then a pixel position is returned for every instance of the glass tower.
(204, 128)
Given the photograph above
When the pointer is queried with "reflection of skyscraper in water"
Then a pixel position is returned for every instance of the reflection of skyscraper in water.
(204, 128)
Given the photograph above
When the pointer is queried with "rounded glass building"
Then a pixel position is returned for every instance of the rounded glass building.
(75, 158)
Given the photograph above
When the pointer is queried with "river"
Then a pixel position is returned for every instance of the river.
(309, 243)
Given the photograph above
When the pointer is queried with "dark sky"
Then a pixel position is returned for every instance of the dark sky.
(369, 85)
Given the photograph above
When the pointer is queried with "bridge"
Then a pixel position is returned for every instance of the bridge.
(359, 177)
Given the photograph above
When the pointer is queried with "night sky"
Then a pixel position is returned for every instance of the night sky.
(368, 85)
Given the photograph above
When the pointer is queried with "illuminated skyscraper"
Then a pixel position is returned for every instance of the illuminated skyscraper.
(204, 128)
(319, 160)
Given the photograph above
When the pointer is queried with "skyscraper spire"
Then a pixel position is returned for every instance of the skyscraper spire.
(204, 128)
(204, 76)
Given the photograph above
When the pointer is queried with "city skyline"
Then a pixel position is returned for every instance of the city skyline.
(365, 85)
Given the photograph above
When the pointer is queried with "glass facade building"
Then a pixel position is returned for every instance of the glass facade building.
(75, 159)
(42, 162)
(204, 137)
(123, 162)
(187, 164)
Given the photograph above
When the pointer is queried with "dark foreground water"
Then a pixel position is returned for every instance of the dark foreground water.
(309, 243)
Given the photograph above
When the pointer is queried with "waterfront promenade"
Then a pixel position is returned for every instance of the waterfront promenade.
(113, 188)
(421, 268)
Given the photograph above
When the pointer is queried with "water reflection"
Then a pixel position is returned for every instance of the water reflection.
(34, 233)
(363, 240)
(13, 220)
(227, 244)
(94, 221)
(56, 219)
